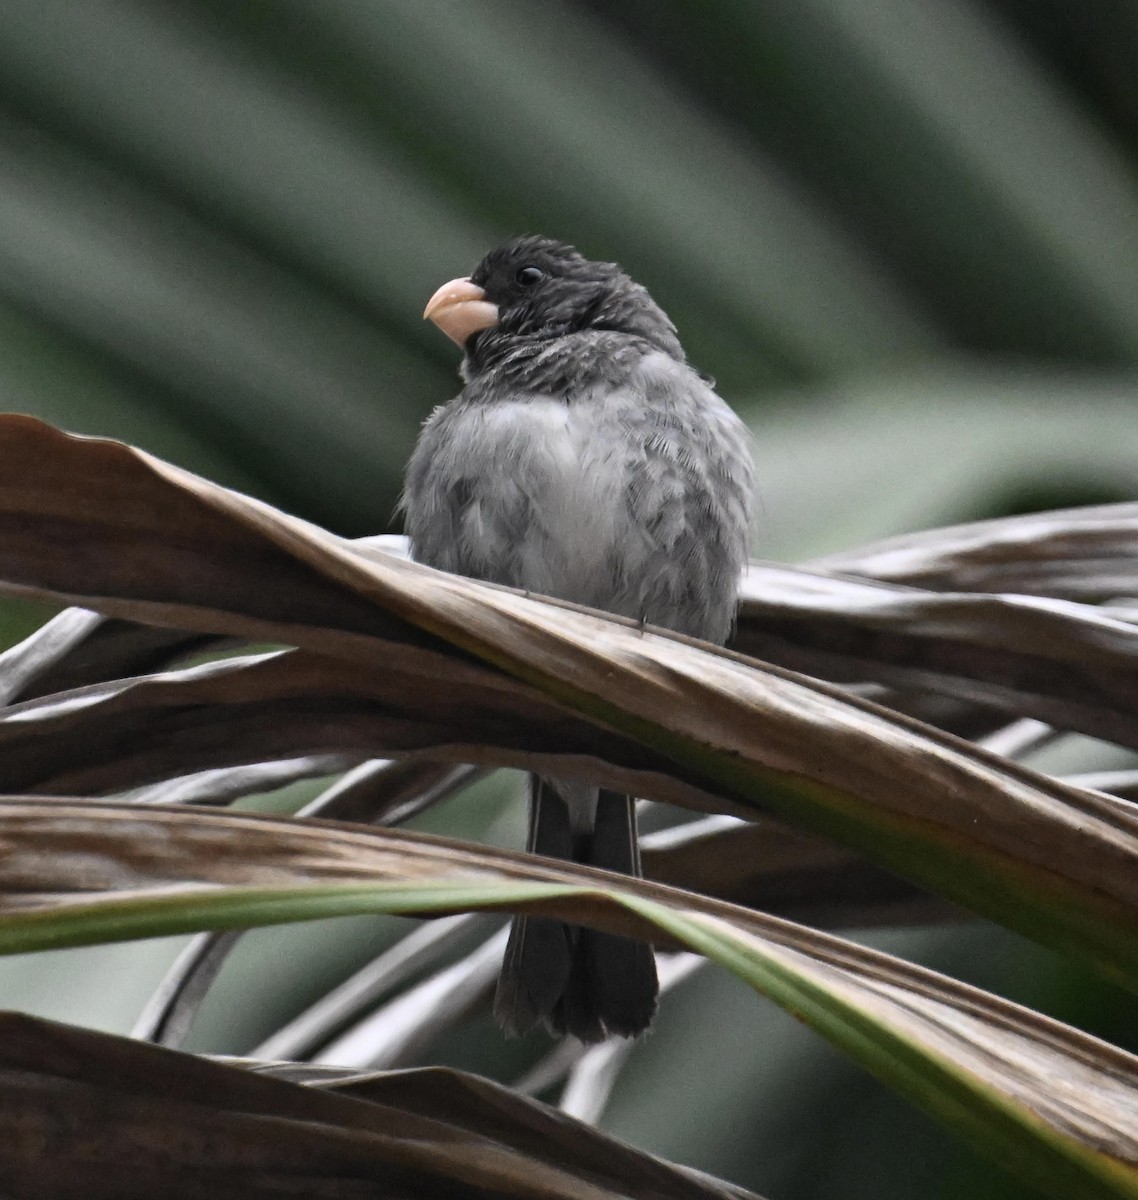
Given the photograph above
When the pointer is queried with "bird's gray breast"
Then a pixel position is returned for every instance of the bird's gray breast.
(537, 499)
(630, 497)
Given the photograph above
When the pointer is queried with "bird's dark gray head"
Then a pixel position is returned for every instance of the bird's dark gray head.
(534, 289)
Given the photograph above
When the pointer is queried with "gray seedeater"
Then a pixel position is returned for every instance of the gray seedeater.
(586, 460)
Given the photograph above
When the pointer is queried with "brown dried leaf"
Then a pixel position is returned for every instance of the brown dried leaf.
(1067, 664)
(1088, 554)
(79, 871)
(485, 1107)
(93, 1116)
(669, 717)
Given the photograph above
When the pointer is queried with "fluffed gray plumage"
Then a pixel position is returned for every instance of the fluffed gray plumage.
(584, 459)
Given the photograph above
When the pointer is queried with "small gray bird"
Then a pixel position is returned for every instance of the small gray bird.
(584, 459)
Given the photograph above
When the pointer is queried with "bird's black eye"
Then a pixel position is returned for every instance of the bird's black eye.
(528, 276)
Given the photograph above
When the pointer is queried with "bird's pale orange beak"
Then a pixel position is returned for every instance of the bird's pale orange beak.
(460, 309)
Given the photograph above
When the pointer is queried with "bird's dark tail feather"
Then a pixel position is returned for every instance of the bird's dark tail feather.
(566, 978)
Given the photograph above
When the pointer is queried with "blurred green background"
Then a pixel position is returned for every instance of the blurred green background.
(903, 235)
